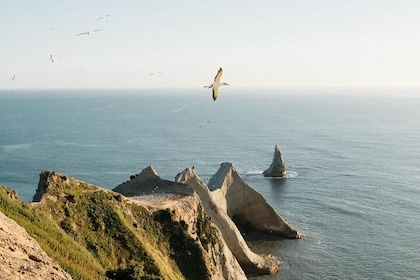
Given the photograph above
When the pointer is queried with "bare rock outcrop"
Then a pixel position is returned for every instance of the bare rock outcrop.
(216, 209)
(182, 202)
(278, 166)
(148, 182)
(21, 257)
(246, 206)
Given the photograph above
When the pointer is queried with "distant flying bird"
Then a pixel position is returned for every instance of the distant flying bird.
(103, 17)
(216, 84)
(155, 73)
(51, 58)
(89, 32)
(14, 76)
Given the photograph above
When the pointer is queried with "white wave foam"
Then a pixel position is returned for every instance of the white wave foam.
(74, 144)
(253, 172)
(17, 147)
(180, 109)
(289, 175)
(183, 107)
(103, 108)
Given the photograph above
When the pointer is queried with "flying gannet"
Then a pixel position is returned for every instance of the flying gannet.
(155, 73)
(216, 84)
(89, 32)
(103, 17)
(14, 76)
(51, 58)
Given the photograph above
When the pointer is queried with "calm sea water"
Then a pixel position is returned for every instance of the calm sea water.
(353, 158)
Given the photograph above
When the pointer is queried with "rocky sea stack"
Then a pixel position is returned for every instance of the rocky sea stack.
(278, 166)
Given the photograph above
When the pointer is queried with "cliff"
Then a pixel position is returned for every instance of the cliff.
(129, 240)
(180, 199)
(250, 261)
(147, 227)
(21, 257)
(245, 206)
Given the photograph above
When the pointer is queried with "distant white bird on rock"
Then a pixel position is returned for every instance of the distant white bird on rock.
(216, 84)
(89, 32)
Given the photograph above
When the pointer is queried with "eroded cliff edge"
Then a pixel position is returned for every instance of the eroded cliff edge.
(229, 199)
(169, 237)
(153, 228)
(245, 206)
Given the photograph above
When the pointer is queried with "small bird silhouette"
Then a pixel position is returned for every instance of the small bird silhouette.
(88, 32)
(103, 17)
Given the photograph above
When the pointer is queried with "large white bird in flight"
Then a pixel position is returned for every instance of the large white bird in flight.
(88, 32)
(216, 84)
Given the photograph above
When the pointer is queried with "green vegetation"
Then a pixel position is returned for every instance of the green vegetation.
(98, 234)
(72, 257)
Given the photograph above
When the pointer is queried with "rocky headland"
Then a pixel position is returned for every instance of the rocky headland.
(145, 228)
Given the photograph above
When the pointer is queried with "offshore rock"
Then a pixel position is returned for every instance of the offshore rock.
(278, 166)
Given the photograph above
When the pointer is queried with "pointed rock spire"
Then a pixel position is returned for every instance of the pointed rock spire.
(278, 166)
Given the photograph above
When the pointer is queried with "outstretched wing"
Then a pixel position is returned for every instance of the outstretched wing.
(218, 75)
(215, 93)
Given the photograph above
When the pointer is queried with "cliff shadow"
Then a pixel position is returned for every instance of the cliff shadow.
(251, 234)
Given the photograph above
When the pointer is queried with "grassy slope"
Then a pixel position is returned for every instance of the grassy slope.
(72, 257)
(93, 232)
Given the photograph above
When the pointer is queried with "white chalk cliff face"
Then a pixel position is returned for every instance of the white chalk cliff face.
(226, 198)
(278, 166)
(183, 202)
(230, 196)
(245, 205)
(21, 257)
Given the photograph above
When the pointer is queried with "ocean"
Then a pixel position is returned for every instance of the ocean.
(352, 155)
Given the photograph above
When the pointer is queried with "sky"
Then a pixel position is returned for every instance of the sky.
(267, 43)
